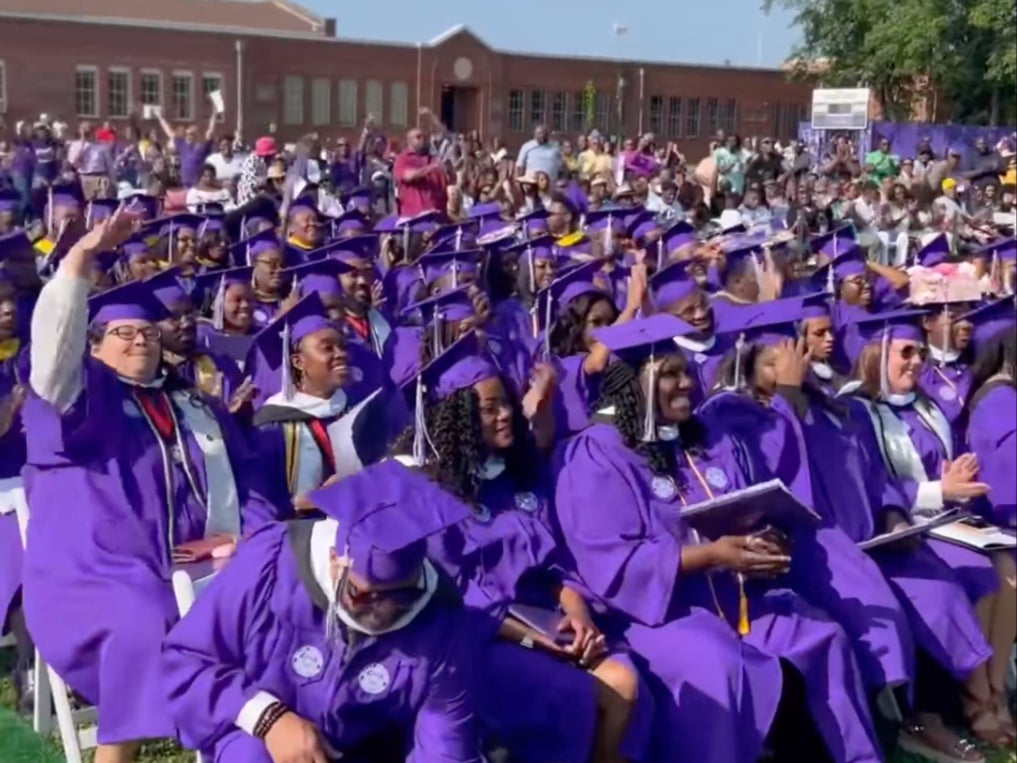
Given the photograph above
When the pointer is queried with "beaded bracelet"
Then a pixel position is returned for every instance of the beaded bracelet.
(268, 719)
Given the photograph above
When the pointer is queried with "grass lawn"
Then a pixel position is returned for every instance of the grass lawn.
(19, 744)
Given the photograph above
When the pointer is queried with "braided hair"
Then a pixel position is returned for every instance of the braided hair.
(453, 428)
(566, 337)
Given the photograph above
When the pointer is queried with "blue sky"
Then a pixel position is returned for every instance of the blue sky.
(680, 31)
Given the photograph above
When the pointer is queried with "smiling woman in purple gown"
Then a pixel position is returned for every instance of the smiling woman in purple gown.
(472, 438)
(125, 464)
(921, 451)
(620, 489)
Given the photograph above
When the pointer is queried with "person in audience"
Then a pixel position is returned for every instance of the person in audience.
(97, 596)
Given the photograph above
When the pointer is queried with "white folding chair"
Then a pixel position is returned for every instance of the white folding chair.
(78, 729)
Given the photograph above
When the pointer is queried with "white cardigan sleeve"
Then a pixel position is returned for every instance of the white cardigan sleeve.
(59, 336)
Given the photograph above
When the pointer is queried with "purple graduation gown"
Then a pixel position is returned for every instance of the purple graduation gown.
(992, 436)
(12, 459)
(575, 393)
(506, 554)
(99, 543)
(512, 320)
(975, 571)
(622, 527)
(705, 365)
(790, 440)
(250, 629)
(262, 313)
(948, 384)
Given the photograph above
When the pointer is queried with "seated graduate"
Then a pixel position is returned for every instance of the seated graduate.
(226, 324)
(991, 419)
(267, 260)
(335, 637)
(304, 230)
(125, 466)
(816, 328)
(621, 485)
(302, 365)
(919, 448)
(471, 437)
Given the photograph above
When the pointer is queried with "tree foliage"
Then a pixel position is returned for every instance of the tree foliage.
(962, 53)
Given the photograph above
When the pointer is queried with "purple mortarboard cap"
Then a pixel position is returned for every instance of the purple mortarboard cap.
(273, 344)
(1004, 249)
(766, 323)
(576, 283)
(851, 262)
(132, 301)
(64, 195)
(303, 202)
(357, 199)
(167, 288)
(742, 253)
(210, 209)
(454, 305)
(890, 325)
(535, 222)
(458, 235)
(247, 251)
(250, 223)
(319, 276)
(10, 199)
(137, 244)
(989, 320)
(347, 249)
(216, 282)
(353, 221)
(832, 243)
(422, 223)
(14, 244)
(385, 514)
(603, 219)
(678, 235)
(462, 365)
(484, 210)
(538, 248)
(639, 339)
(98, 210)
(936, 251)
(183, 221)
(672, 283)
(443, 262)
(142, 204)
(816, 305)
(641, 224)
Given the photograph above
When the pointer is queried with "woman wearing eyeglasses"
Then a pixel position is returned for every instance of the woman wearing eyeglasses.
(127, 467)
(924, 455)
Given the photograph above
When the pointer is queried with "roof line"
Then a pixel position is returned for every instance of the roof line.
(300, 12)
(448, 34)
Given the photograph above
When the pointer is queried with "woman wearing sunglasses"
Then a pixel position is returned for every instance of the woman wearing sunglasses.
(926, 458)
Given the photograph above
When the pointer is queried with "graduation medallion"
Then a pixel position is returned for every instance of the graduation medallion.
(307, 662)
(949, 394)
(699, 357)
(527, 502)
(374, 679)
(482, 514)
(260, 316)
(356, 375)
(664, 488)
(494, 346)
(716, 477)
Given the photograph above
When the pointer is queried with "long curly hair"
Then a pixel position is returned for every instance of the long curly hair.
(566, 336)
(453, 428)
(620, 389)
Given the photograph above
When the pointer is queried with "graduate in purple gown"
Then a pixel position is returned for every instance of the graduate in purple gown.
(227, 324)
(740, 281)
(473, 440)
(816, 329)
(620, 488)
(675, 290)
(108, 512)
(946, 376)
(304, 231)
(991, 416)
(332, 638)
(263, 254)
(921, 451)
(18, 269)
(203, 368)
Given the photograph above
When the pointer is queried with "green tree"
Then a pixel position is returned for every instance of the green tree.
(590, 105)
(962, 53)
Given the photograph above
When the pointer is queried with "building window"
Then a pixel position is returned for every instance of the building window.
(657, 114)
(182, 96)
(321, 101)
(118, 93)
(210, 82)
(347, 102)
(538, 107)
(603, 110)
(692, 118)
(151, 88)
(729, 115)
(674, 117)
(786, 117)
(3, 87)
(579, 112)
(86, 91)
(515, 110)
(399, 104)
(293, 100)
(559, 111)
(374, 101)
(712, 116)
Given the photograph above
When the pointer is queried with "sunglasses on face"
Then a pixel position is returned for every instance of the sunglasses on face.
(913, 351)
(401, 597)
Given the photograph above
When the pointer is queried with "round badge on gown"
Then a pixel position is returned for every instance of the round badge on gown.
(482, 514)
(261, 316)
(527, 502)
(374, 679)
(699, 357)
(716, 477)
(307, 662)
(356, 375)
(494, 346)
(949, 394)
(664, 488)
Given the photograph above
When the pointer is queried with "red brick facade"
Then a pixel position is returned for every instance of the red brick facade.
(303, 82)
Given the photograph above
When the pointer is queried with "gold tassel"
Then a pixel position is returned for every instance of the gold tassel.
(744, 627)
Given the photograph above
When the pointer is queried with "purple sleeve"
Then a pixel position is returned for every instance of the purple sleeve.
(895, 492)
(992, 434)
(261, 500)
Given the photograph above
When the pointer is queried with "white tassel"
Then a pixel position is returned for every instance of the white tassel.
(247, 255)
(455, 274)
(608, 239)
(219, 306)
(830, 284)
(650, 415)
(49, 211)
(736, 382)
(884, 357)
(419, 426)
(287, 372)
(660, 254)
(946, 333)
(436, 324)
(406, 243)
(529, 265)
(548, 306)
(88, 215)
(459, 239)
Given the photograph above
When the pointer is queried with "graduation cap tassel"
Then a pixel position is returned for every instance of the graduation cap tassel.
(547, 326)
(650, 415)
(946, 334)
(996, 283)
(736, 382)
(219, 306)
(49, 210)
(529, 266)
(419, 426)
(436, 335)
(459, 239)
(88, 215)
(744, 627)
(830, 285)
(406, 243)
(660, 254)
(286, 370)
(608, 238)
(884, 356)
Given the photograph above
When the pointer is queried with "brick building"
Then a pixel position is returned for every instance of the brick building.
(278, 64)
